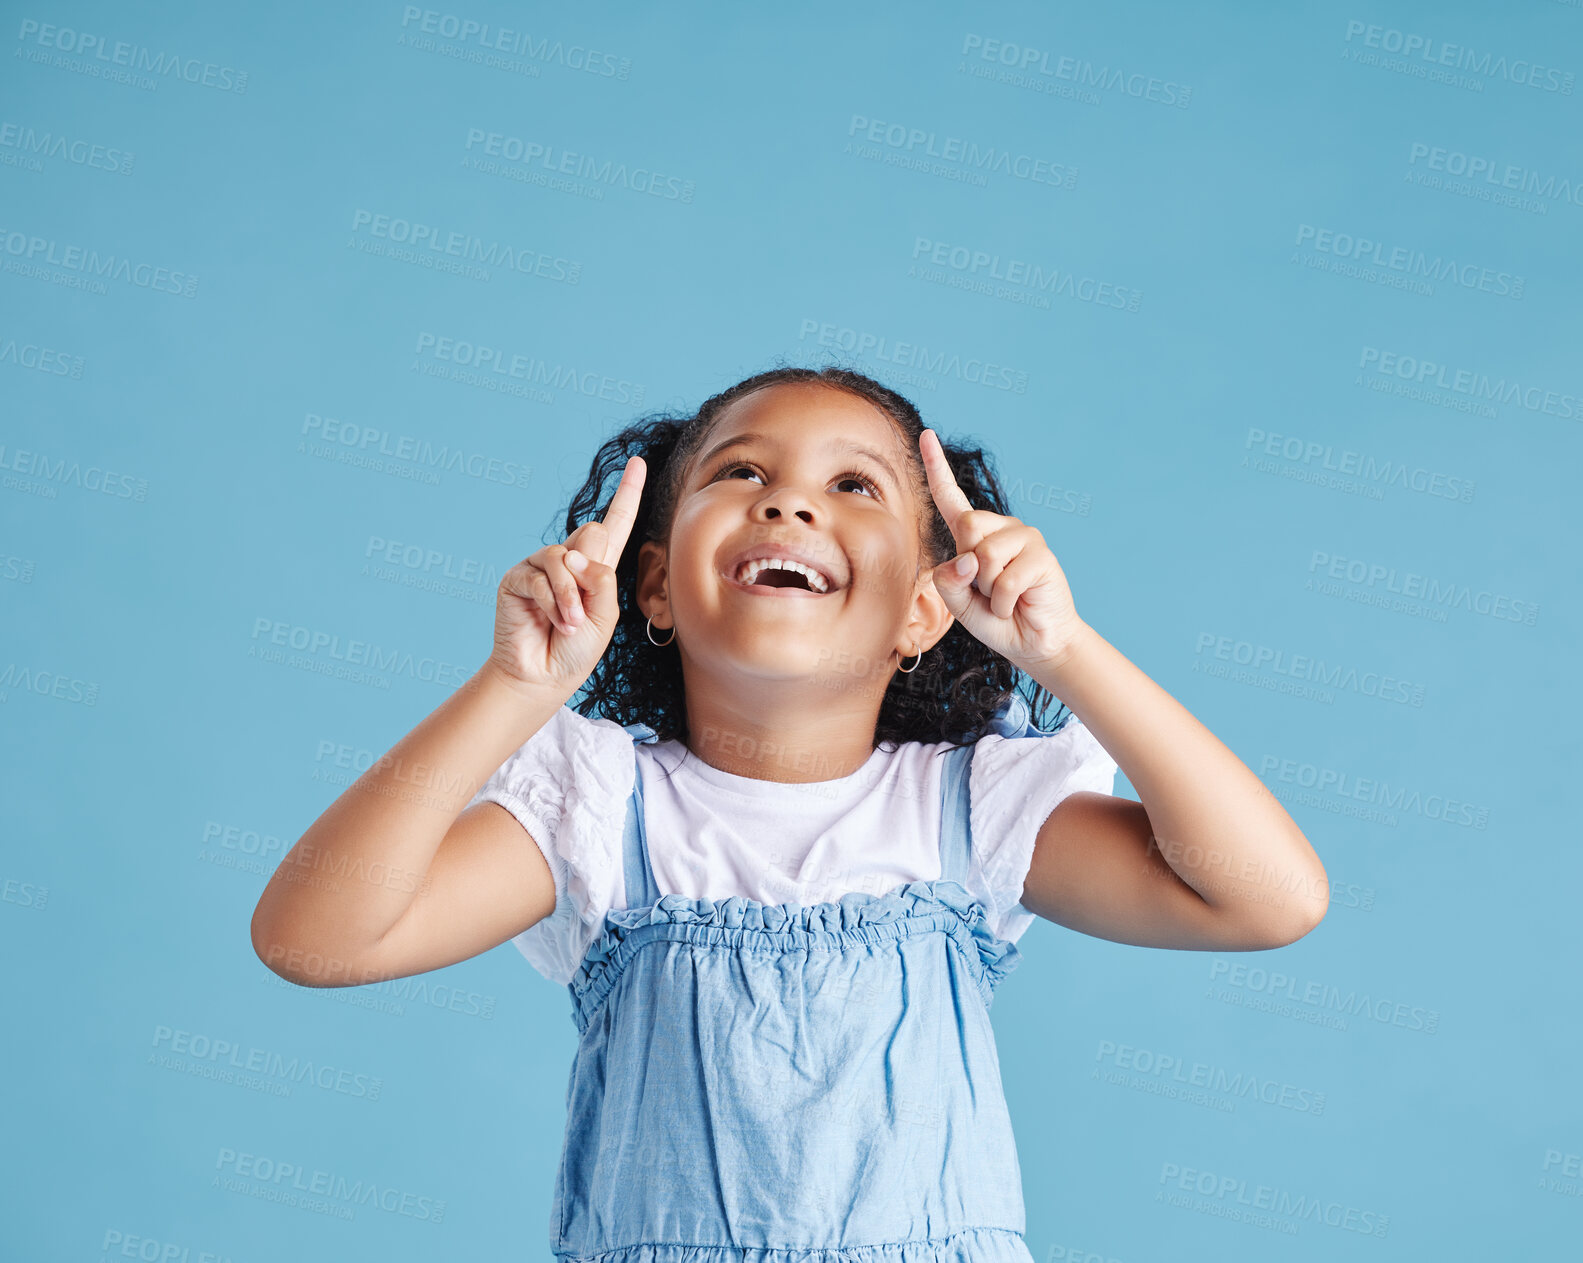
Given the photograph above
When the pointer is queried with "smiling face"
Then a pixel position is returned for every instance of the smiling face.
(818, 479)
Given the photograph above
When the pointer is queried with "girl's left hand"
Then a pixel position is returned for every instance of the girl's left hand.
(1022, 607)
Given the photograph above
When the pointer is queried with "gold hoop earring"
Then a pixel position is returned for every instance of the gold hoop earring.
(649, 631)
(917, 658)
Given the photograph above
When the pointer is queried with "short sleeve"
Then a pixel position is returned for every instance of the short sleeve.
(1014, 785)
(568, 786)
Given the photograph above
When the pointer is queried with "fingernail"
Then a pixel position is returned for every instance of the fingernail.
(964, 563)
(576, 560)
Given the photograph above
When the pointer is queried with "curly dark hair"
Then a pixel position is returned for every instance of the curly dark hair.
(958, 684)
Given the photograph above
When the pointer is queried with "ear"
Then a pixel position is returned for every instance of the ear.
(928, 620)
(652, 575)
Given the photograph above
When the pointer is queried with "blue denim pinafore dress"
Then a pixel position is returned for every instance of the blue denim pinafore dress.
(787, 1083)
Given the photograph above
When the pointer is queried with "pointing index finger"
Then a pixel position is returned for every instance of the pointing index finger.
(623, 509)
(950, 498)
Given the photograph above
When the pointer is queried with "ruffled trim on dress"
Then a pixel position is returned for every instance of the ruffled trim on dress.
(973, 1245)
(738, 921)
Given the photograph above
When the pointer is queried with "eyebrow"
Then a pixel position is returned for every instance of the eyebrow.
(832, 445)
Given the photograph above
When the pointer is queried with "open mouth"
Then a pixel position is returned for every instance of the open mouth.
(776, 573)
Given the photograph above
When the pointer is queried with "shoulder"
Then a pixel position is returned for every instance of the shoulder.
(1003, 762)
(1018, 777)
(571, 747)
(569, 785)
(914, 774)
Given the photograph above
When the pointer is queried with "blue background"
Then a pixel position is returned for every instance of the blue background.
(1223, 425)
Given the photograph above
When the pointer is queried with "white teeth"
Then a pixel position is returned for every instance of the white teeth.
(750, 571)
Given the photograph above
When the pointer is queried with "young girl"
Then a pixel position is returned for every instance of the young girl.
(781, 850)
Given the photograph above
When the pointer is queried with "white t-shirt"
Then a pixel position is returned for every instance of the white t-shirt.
(712, 834)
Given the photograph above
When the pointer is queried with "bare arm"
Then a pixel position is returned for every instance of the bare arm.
(394, 879)
(391, 880)
(1208, 860)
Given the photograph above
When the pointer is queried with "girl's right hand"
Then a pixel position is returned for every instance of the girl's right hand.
(554, 617)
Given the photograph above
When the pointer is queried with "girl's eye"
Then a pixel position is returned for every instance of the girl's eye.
(851, 475)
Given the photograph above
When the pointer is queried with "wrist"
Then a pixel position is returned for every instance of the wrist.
(497, 678)
(1051, 669)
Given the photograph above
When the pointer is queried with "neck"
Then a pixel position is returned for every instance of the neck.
(781, 731)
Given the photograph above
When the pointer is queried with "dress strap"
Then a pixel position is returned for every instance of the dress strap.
(642, 891)
(955, 813)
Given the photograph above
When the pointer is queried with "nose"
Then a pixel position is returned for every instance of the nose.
(783, 501)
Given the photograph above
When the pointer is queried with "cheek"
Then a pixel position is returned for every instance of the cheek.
(694, 542)
(887, 568)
